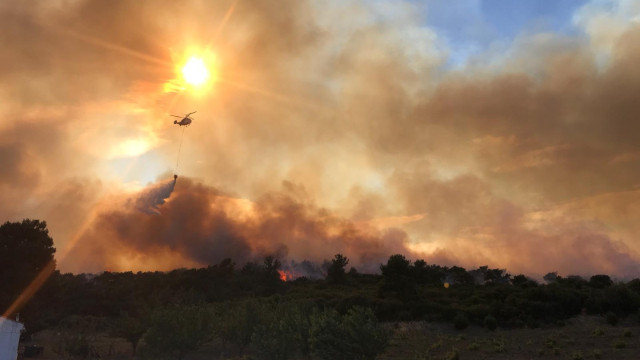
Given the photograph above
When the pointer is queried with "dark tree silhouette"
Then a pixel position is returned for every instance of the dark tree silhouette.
(336, 272)
(459, 276)
(600, 281)
(26, 249)
(396, 266)
(428, 274)
(130, 328)
(397, 278)
(551, 277)
(271, 267)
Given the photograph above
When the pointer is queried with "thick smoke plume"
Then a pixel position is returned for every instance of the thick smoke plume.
(199, 225)
(525, 158)
(149, 200)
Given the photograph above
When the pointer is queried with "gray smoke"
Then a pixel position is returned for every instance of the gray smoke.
(153, 196)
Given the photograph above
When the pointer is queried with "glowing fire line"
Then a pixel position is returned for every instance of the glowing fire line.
(286, 275)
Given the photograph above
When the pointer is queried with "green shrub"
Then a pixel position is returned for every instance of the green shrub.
(422, 356)
(453, 355)
(611, 318)
(76, 336)
(490, 322)
(282, 337)
(619, 344)
(598, 332)
(627, 333)
(474, 346)
(577, 355)
(498, 345)
(597, 354)
(239, 322)
(460, 321)
(357, 335)
(550, 342)
(326, 336)
(78, 346)
(176, 331)
(437, 345)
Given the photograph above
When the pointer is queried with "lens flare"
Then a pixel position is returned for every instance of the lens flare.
(195, 71)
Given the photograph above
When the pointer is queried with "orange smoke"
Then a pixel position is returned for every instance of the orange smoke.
(199, 225)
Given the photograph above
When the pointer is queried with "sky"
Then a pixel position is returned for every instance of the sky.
(469, 133)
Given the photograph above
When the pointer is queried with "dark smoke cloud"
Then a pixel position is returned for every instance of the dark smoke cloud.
(199, 225)
(14, 167)
(150, 199)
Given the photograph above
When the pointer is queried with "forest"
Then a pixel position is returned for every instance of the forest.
(259, 310)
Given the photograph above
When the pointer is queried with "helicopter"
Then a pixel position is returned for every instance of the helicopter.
(186, 120)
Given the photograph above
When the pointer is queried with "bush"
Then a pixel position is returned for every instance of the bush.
(460, 321)
(474, 346)
(498, 345)
(336, 272)
(176, 331)
(619, 344)
(78, 345)
(600, 281)
(577, 355)
(239, 322)
(77, 336)
(453, 355)
(283, 336)
(129, 328)
(357, 335)
(490, 322)
(611, 318)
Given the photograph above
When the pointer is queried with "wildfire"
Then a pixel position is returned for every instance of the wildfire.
(285, 275)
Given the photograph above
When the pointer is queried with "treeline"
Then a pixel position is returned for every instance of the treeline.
(485, 295)
(404, 290)
(256, 311)
(250, 309)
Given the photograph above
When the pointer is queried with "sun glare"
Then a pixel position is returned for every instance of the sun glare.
(129, 148)
(195, 72)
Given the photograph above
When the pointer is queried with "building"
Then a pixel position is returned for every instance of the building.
(9, 338)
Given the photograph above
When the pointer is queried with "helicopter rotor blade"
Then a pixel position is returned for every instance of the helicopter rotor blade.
(176, 116)
(191, 113)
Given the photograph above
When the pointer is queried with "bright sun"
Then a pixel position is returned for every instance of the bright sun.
(195, 72)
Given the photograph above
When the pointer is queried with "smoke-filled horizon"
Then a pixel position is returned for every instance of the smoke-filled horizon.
(354, 127)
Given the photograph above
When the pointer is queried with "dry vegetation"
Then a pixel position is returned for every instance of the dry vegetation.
(583, 337)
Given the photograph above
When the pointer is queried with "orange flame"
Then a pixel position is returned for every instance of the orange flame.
(285, 275)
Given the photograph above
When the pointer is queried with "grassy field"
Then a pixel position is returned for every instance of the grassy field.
(583, 337)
